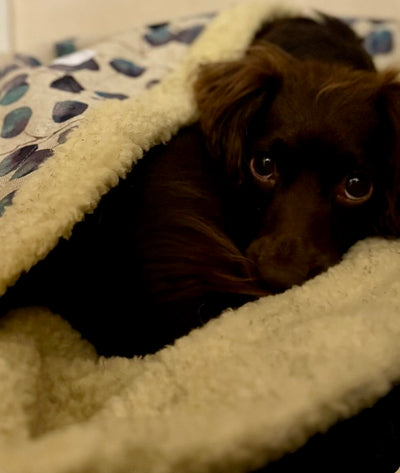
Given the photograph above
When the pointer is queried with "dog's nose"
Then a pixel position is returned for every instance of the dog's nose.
(285, 263)
(279, 278)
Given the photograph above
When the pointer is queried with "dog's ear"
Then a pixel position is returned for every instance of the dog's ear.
(390, 221)
(230, 94)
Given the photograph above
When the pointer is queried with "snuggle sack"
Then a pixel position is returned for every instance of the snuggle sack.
(243, 391)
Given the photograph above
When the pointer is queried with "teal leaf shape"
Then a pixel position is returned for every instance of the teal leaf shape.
(108, 95)
(158, 35)
(14, 94)
(63, 111)
(14, 89)
(32, 163)
(15, 159)
(67, 46)
(15, 122)
(127, 68)
(6, 201)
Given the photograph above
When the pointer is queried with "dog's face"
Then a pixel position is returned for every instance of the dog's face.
(312, 149)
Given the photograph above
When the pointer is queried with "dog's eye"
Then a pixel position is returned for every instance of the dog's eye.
(263, 165)
(355, 189)
(263, 168)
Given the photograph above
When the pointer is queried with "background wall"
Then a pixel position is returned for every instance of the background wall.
(32, 25)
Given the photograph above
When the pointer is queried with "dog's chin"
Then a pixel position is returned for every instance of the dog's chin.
(277, 280)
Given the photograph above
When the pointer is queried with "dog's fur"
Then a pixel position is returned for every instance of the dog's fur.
(294, 158)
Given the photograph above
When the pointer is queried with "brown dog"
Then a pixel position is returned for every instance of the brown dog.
(295, 158)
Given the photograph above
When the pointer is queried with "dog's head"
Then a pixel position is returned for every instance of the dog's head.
(312, 149)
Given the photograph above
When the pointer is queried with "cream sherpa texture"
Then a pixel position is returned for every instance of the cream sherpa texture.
(232, 396)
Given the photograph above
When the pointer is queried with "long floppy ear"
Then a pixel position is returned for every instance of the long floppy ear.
(230, 94)
(390, 220)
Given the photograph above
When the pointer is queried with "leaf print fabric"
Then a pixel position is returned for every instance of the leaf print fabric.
(66, 110)
(41, 105)
(32, 162)
(67, 83)
(6, 201)
(14, 89)
(126, 67)
(77, 61)
(15, 159)
(24, 161)
(159, 35)
(15, 122)
(107, 95)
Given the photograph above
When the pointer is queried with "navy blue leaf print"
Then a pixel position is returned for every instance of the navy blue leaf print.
(67, 83)
(31, 164)
(107, 95)
(91, 65)
(15, 122)
(189, 35)
(6, 201)
(379, 42)
(63, 111)
(127, 68)
(158, 35)
(15, 159)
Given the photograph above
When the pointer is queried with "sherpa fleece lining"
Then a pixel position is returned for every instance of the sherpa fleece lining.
(248, 387)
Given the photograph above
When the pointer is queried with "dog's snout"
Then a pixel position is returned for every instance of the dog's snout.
(274, 262)
(287, 262)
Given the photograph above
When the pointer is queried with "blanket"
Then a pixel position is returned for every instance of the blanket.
(233, 396)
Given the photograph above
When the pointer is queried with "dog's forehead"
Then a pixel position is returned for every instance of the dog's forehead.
(341, 111)
(330, 142)
(311, 113)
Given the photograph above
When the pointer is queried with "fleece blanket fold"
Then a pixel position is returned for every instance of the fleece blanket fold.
(236, 394)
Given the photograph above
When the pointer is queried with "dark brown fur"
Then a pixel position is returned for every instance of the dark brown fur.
(320, 122)
(196, 228)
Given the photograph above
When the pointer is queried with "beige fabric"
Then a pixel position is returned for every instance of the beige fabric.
(241, 391)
